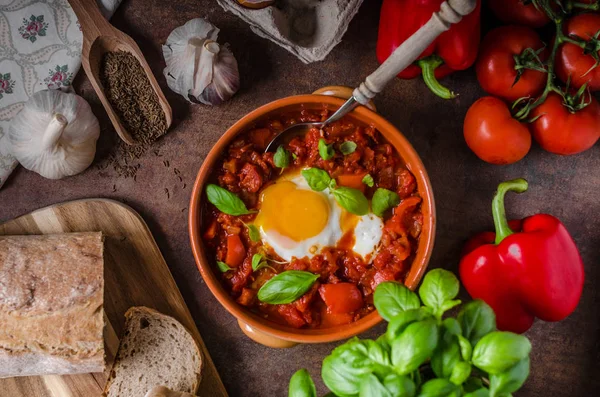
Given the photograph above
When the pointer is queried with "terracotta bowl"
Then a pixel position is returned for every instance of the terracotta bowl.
(258, 328)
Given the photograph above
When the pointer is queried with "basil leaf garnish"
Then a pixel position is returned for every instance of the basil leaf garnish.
(325, 151)
(317, 179)
(383, 200)
(281, 159)
(352, 200)
(223, 267)
(286, 287)
(302, 385)
(368, 180)
(253, 233)
(226, 201)
(347, 147)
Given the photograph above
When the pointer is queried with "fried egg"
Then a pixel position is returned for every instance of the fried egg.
(296, 221)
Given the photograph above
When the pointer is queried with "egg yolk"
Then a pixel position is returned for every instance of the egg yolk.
(295, 213)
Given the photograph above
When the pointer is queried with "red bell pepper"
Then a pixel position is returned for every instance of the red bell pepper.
(532, 270)
(453, 50)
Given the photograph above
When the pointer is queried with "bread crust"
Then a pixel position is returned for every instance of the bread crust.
(51, 304)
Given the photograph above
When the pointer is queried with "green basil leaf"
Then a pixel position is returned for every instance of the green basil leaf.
(372, 387)
(302, 385)
(325, 151)
(317, 179)
(383, 200)
(510, 381)
(466, 350)
(383, 341)
(347, 147)
(439, 286)
(392, 298)
(286, 287)
(472, 384)
(281, 158)
(253, 233)
(476, 319)
(414, 346)
(439, 388)
(352, 200)
(498, 351)
(460, 372)
(344, 370)
(223, 267)
(368, 180)
(482, 392)
(403, 319)
(257, 259)
(399, 385)
(294, 156)
(226, 201)
(447, 353)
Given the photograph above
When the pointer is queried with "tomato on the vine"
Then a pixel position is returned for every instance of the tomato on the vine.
(522, 12)
(509, 53)
(576, 62)
(561, 130)
(493, 134)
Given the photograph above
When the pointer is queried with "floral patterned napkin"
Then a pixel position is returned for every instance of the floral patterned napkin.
(40, 48)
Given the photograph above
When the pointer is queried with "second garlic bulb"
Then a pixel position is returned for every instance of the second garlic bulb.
(198, 68)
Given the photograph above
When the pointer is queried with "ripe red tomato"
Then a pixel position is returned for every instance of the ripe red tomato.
(571, 60)
(341, 297)
(561, 131)
(493, 134)
(496, 63)
(516, 11)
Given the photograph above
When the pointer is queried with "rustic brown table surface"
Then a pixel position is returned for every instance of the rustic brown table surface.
(566, 355)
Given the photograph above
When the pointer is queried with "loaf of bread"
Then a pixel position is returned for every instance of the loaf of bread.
(155, 350)
(51, 304)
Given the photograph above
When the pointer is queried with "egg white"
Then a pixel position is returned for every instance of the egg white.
(367, 233)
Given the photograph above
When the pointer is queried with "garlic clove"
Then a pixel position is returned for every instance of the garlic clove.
(55, 134)
(198, 68)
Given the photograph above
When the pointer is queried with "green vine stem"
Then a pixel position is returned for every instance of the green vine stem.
(558, 18)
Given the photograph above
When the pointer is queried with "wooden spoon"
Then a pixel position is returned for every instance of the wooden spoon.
(100, 37)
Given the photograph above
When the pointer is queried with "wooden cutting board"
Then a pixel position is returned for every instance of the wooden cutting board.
(135, 274)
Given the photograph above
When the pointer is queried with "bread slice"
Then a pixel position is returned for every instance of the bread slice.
(161, 391)
(154, 350)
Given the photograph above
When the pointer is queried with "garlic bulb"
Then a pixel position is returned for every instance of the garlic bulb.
(198, 68)
(55, 134)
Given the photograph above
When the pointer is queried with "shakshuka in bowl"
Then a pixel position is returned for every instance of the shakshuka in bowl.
(294, 242)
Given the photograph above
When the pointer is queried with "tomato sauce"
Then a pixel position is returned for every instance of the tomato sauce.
(245, 170)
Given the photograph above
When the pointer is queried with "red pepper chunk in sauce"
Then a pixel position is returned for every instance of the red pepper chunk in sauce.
(343, 292)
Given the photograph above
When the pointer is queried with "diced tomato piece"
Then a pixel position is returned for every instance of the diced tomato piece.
(260, 137)
(236, 252)
(329, 320)
(291, 315)
(341, 297)
(247, 297)
(406, 184)
(352, 180)
(250, 178)
(211, 231)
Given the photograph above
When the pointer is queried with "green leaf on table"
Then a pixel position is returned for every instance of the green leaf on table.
(403, 319)
(286, 287)
(325, 151)
(317, 179)
(439, 286)
(399, 385)
(447, 353)
(498, 351)
(392, 298)
(460, 372)
(383, 200)
(414, 346)
(439, 388)
(347, 147)
(511, 380)
(225, 201)
(372, 387)
(302, 385)
(476, 319)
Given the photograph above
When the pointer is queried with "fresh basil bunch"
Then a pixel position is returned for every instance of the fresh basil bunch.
(423, 354)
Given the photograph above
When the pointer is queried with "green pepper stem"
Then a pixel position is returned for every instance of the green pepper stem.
(428, 66)
(500, 221)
